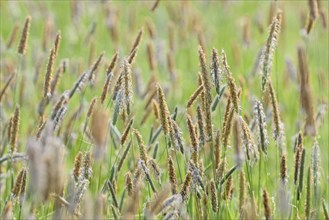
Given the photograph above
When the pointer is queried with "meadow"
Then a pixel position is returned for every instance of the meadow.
(164, 109)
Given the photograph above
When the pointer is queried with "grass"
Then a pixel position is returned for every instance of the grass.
(220, 25)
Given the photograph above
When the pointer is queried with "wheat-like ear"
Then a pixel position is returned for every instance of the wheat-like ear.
(98, 130)
(217, 149)
(298, 152)
(186, 186)
(215, 69)
(164, 112)
(57, 42)
(125, 133)
(242, 191)
(248, 142)
(172, 176)
(232, 86)
(266, 204)
(278, 126)
(283, 169)
(91, 107)
(137, 40)
(301, 174)
(57, 77)
(194, 96)
(194, 140)
(20, 182)
(156, 109)
(87, 165)
(77, 166)
(261, 126)
(305, 93)
(227, 194)
(201, 126)
(111, 66)
(227, 124)
(207, 92)
(95, 66)
(271, 44)
(48, 76)
(316, 168)
(142, 148)
(24, 37)
(313, 14)
(213, 196)
(123, 157)
(15, 130)
(129, 184)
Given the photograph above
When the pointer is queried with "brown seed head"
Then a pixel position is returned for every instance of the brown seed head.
(213, 196)
(57, 42)
(266, 204)
(164, 112)
(207, 92)
(91, 107)
(125, 134)
(112, 64)
(283, 169)
(77, 166)
(19, 183)
(24, 37)
(231, 83)
(137, 40)
(276, 113)
(172, 176)
(194, 139)
(156, 109)
(87, 165)
(214, 66)
(194, 96)
(95, 66)
(106, 87)
(201, 126)
(99, 126)
(186, 186)
(313, 5)
(129, 184)
(271, 44)
(227, 194)
(48, 76)
(227, 124)
(305, 93)
(58, 76)
(142, 148)
(217, 149)
(15, 130)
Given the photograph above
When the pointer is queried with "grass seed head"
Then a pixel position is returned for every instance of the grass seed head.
(24, 37)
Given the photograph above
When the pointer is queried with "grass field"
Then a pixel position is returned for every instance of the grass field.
(81, 138)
